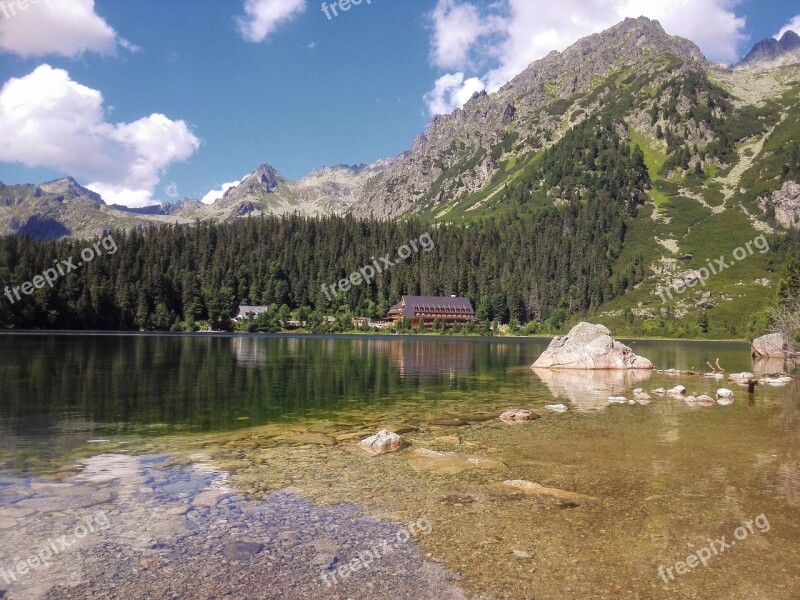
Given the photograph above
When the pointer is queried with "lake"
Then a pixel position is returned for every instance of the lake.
(629, 490)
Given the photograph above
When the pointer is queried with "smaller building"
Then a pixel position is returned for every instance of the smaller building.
(248, 313)
(427, 309)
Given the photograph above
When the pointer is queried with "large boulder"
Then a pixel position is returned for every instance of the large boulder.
(769, 346)
(589, 346)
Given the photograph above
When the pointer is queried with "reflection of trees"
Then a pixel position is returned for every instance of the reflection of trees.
(420, 357)
(589, 390)
(208, 382)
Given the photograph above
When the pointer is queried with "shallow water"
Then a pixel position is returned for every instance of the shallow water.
(656, 482)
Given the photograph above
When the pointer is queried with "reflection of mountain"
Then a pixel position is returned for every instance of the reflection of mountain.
(589, 390)
(413, 357)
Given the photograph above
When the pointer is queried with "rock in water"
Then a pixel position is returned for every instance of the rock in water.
(589, 346)
(741, 378)
(383, 442)
(724, 393)
(519, 415)
(769, 346)
(241, 551)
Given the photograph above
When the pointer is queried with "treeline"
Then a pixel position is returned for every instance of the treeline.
(530, 267)
(539, 262)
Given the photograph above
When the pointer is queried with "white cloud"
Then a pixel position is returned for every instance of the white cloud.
(456, 29)
(522, 31)
(49, 120)
(451, 92)
(63, 27)
(264, 16)
(215, 195)
(793, 25)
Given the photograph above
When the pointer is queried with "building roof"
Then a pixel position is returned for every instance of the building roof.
(245, 310)
(418, 306)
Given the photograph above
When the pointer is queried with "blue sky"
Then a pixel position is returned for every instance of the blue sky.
(151, 100)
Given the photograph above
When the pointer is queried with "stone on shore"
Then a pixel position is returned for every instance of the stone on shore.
(589, 347)
(383, 442)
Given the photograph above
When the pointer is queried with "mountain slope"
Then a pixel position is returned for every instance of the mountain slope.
(462, 152)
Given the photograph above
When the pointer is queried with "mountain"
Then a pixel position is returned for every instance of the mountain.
(677, 161)
(462, 152)
(329, 190)
(63, 208)
(771, 53)
(164, 208)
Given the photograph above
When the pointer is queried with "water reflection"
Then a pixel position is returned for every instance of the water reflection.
(417, 357)
(589, 390)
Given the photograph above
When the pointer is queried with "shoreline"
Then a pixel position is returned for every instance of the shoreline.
(344, 335)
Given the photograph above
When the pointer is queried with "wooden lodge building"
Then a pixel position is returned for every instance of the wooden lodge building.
(427, 309)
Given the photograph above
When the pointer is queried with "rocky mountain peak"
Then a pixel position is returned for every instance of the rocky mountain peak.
(266, 177)
(771, 52)
(70, 189)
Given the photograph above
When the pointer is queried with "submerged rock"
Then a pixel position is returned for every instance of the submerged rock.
(449, 422)
(589, 347)
(241, 551)
(518, 415)
(617, 400)
(450, 463)
(383, 442)
(559, 408)
(529, 488)
(315, 439)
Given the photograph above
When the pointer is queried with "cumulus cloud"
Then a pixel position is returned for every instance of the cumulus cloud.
(451, 92)
(793, 25)
(215, 195)
(63, 27)
(456, 30)
(262, 17)
(49, 120)
(522, 31)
